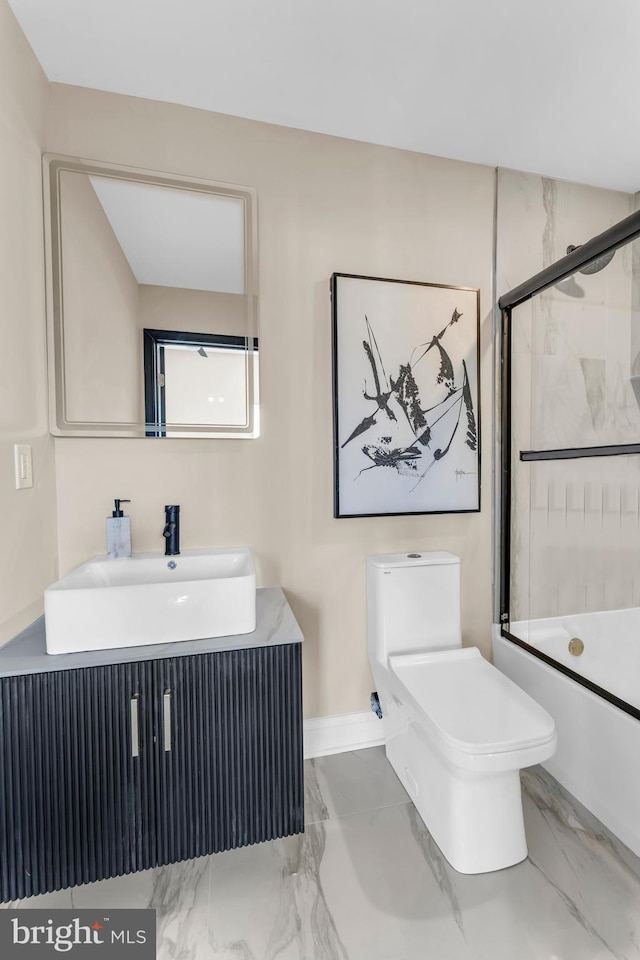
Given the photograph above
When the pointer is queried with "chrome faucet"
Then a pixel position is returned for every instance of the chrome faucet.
(171, 531)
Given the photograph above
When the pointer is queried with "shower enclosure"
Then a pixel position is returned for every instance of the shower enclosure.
(569, 606)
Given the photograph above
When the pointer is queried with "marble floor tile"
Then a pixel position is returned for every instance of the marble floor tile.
(346, 783)
(515, 913)
(59, 900)
(393, 895)
(178, 892)
(367, 882)
(259, 909)
(384, 899)
(134, 890)
(595, 873)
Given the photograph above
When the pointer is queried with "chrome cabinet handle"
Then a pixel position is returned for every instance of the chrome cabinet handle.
(167, 720)
(135, 732)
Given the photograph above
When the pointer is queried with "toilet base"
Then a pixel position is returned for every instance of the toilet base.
(475, 818)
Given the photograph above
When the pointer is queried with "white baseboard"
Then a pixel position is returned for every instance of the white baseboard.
(349, 731)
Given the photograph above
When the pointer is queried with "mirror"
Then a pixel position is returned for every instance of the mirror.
(152, 303)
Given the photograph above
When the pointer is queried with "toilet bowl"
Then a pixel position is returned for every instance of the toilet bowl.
(457, 731)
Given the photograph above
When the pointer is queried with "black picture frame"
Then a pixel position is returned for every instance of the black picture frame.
(405, 441)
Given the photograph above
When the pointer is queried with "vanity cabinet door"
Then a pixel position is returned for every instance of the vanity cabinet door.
(230, 767)
(76, 802)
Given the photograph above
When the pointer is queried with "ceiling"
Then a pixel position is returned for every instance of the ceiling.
(548, 86)
(175, 238)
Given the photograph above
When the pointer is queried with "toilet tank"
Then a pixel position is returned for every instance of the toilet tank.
(413, 603)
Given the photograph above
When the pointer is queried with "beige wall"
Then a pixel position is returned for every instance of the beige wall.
(103, 350)
(28, 555)
(196, 311)
(325, 205)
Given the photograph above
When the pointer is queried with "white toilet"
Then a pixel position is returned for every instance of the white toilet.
(457, 731)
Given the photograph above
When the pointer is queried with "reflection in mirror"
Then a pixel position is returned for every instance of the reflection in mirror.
(133, 251)
(180, 389)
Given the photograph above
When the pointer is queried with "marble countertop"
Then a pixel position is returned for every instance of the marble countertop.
(275, 625)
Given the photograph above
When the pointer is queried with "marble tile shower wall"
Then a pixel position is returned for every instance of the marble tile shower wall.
(584, 537)
(573, 521)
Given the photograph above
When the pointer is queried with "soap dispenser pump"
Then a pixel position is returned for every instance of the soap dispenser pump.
(118, 533)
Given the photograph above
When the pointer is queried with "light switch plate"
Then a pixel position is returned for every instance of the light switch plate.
(23, 465)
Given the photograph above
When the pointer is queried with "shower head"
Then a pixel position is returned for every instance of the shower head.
(596, 265)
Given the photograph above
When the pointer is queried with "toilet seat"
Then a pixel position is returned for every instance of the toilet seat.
(473, 708)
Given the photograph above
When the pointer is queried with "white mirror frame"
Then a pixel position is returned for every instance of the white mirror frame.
(59, 423)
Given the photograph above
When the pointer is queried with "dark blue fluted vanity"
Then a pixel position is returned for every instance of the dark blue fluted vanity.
(113, 761)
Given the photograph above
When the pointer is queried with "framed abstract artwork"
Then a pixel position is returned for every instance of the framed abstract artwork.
(405, 397)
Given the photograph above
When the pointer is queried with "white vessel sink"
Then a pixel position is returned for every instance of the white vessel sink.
(150, 598)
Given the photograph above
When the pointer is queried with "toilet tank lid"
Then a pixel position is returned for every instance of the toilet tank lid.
(414, 559)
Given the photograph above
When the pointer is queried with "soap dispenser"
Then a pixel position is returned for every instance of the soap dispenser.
(118, 533)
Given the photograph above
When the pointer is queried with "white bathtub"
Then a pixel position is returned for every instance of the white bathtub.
(598, 755)
(611, 657)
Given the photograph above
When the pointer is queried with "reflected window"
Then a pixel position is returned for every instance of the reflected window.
(194, 379)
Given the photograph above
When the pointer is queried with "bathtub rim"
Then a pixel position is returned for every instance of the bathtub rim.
(599, 691)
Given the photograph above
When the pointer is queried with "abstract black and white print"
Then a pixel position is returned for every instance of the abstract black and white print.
(406, 413)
